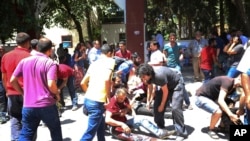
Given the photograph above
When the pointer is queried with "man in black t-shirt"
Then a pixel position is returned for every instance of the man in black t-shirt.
(169, 88)
(211, 98)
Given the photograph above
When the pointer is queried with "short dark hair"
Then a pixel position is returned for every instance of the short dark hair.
(33, 43)
(105, 49)
(122, 42)
(211, 40)
(154, 42)
(22, 38)
(145, 69)
(135, 55)
(44, 44)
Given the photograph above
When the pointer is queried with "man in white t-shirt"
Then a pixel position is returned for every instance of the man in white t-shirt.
(157, 58)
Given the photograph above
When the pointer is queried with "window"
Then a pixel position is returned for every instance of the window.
(67, 41)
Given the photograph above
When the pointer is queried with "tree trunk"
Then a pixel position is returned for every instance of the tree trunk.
(88, 21)
(243, 15)
(222, 18)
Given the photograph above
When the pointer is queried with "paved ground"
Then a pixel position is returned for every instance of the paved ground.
(74, 122)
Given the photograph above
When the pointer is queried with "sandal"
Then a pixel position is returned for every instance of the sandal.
(213, 134)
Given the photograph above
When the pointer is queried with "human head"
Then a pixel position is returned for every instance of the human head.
(80, 46)
(117, 81)
(145, 72)
(212, 42)
(33, 44)
(96, 44)
(122, 45)
(107, 50)
(44, 45)
(120, 95)
(198, 35)
(236, 39)
(136, 59)
(23, 40)
(172, 37)
(154, 45)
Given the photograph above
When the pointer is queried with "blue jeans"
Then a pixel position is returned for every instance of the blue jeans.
(149, 126)
(72, 93)
(71, 88)
(247, 117)
(3, 101)
(208, 75)
(233, 72)
(32, 117)
(96, 121)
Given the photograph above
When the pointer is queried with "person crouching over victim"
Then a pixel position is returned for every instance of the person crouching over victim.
(120, 106)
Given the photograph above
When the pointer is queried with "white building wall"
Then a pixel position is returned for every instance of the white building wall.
(110, 32)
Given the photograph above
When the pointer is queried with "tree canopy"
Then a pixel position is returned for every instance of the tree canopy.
(182, 17)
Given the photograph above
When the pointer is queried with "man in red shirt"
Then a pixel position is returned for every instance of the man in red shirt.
(117, 110)
(123, 52)
(15, 99)
(65, 78)
(208, 59)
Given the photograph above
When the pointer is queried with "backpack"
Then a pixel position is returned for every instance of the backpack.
(118, 62)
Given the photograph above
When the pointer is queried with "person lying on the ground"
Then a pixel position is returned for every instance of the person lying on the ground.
(212, 96)
(117, 109)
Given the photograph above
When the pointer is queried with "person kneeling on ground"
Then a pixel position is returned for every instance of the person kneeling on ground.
(117, 110)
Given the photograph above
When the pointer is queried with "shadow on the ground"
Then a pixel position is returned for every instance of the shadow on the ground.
(67, 121)
(67, 139)
(221, 135)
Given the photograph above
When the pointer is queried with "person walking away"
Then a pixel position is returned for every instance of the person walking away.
(15, 98)
(40, 72)
(97, 86)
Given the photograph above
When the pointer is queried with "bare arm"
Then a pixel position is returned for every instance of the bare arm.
(224, 107)
(54, 89)
(110, 121)
(84, 82)
(4, 80)
(245, 80)
(164, 97)
(15, 84)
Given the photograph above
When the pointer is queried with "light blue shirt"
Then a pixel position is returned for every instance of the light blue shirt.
(94, 55)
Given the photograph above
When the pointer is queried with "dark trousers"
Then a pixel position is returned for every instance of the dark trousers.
(208, 75)
(3, 100)
(72, 93)
(176, 98)
(15, 105)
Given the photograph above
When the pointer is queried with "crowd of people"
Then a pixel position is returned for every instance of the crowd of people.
(118, 86)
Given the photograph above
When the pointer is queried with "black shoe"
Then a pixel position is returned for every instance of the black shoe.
(4, 119)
